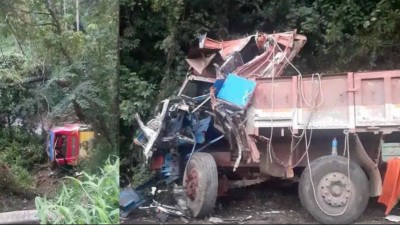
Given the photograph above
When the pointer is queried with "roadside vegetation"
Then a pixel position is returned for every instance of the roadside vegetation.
(90, 199)
(57, 65)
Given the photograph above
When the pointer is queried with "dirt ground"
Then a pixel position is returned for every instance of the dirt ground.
(266, 203)
(45, 185)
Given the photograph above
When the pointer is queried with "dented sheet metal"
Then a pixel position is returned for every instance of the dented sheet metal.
(199, 64)
(270, 55)
(279, 49)
(226, 47)
(232, 68)
(152, 133)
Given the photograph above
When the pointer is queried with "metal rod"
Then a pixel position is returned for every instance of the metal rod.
(209, 143)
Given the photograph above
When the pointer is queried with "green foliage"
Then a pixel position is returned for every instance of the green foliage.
(18, 156)
(136, 95)
(15, 178)
(51, 72)
(24, 151)
(92, 199)
(140, 175)
(75, 71)
(99, 155)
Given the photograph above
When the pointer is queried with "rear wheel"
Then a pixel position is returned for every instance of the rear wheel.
(201, 184)
(335, 199)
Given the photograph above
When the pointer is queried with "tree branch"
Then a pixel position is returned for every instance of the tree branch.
(59, 30)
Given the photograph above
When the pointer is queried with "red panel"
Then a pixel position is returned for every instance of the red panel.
(156, 162)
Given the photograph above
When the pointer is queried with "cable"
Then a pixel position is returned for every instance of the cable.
(308, 141)
(301, 94)
(269, 149)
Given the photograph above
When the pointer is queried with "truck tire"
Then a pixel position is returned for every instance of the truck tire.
(201, 183)
(333, 190)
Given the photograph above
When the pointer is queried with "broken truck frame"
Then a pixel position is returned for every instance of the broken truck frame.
(236, 122)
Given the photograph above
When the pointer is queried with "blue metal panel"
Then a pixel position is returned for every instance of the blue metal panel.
(51, 146)
(170, 168)
(129, 199)
(237, 90)
(200, 128)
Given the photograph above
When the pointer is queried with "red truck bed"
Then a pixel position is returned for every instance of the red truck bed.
(362, 101)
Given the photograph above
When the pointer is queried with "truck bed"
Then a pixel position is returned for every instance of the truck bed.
(362, 101)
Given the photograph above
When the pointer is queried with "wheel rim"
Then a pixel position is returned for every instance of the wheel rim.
(334, 192)
(192, 182)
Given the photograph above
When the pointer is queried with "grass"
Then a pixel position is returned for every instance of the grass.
(91, 199)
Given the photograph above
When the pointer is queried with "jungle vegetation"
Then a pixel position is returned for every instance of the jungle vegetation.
(58, 64)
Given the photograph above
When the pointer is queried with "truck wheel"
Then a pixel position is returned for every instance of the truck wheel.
(201, 183)
(333, 190)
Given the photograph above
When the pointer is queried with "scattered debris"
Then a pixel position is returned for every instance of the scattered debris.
(247, 218)
(164, 211)
(170, 210)
(184, 220)
(215, 220)
(130, 199)
(393, 218)
(78, 174)
(153, 190)
(162, 217)
(274, 212)
(179, 194)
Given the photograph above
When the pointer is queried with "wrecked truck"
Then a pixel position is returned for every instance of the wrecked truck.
(237, 121)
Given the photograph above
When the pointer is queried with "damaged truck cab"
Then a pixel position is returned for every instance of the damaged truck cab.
(68, 144)
(237, 122)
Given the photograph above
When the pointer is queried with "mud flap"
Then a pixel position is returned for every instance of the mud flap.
(370, 168)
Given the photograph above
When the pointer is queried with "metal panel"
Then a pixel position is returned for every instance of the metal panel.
(333, 106)
(284, 107)
(377, 98)
(273, 107)
(358, 100)
(395, 95)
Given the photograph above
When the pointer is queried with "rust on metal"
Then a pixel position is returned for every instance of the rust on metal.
(192, 183)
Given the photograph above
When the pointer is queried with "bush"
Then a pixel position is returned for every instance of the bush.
(140, 175)
(98, 155)
(24, 150)
(15, 179)
(93, 199)
(18, 156)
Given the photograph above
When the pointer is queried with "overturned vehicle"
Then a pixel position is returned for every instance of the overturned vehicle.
(237, 122)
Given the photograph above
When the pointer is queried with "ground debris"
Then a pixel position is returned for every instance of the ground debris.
(184, 220)
(215, 220)
(393, 218)
(162, 217)
(273, 212)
